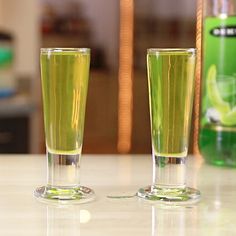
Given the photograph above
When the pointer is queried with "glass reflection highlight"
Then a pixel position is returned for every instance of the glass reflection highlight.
(173, 220)
(63, 221)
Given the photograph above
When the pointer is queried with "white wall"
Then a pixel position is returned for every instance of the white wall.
(22, 19)
(0, 12)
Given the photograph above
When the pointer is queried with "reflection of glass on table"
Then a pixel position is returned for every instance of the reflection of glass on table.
(170, 80)
(177, 221)
(66, 220)
(65, 74)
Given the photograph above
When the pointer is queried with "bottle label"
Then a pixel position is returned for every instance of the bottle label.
(219, 74)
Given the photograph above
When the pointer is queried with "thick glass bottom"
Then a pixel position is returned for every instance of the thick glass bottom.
(170, 196)
(75, 195)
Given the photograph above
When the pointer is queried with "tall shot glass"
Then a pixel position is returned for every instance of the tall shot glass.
(170, 81)
(64, 77)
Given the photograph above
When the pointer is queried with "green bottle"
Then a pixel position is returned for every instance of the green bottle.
(217, 137)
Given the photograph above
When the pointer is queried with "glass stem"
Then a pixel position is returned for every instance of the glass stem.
(169, 172)
(63, 170)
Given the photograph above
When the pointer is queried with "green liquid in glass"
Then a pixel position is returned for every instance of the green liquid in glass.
(64, 86)
(170, 79)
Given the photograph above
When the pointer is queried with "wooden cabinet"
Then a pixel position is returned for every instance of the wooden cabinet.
(14, 134)
(15, 118)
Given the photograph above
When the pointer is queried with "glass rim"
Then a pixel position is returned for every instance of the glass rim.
(171, 50)
(83, 50)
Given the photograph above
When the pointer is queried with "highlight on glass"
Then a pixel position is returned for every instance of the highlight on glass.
(64, 78)
(171, 74)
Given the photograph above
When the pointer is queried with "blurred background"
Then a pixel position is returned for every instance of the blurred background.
(118, 32)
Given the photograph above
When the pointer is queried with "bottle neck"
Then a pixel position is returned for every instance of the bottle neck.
(219, 7)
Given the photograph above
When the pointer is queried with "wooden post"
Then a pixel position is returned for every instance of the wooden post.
(125, 96)
(198, 78)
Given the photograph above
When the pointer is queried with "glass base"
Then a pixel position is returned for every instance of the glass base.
(74, 195)
(170, 196)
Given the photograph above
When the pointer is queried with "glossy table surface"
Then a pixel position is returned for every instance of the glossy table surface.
(114, 175)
